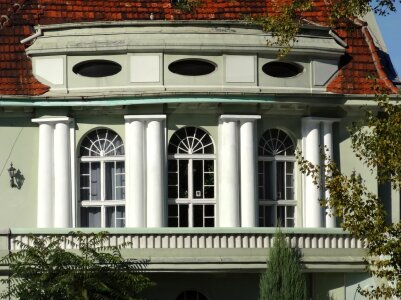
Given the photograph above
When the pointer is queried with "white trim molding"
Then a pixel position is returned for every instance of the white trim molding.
(54, 172)
(237, 178)
(316, 133)
(145, 170)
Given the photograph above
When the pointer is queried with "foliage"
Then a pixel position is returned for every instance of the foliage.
(187, 6)
(288, 17)
(377, 144)
(284, 25)
(43, 269)
(283, 279)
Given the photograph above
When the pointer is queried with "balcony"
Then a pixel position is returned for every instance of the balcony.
(217, 249)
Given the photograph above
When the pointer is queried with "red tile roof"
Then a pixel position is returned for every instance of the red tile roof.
(18, 16)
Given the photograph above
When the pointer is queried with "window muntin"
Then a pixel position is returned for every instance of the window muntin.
(102, 180)
(191, 179)
(276, 179)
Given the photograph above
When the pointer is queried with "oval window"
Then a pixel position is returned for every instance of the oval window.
(281, 69)
(192, 67)
(97, 68)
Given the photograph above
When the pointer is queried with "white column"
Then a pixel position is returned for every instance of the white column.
(135, 189)
(155, 171)
(328, 145)
(311, 140)
(62, 196)
(45, 176)
(229, 209)
(248, 160)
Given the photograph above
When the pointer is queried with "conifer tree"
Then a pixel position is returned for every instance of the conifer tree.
(283, 279)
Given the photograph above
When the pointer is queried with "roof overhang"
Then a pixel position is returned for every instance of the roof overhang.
(177, 36)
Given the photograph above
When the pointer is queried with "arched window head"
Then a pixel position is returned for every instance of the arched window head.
(102, 180)
(191, 179)
(102, 142)
(275, 142)
(277, 201)
(191, 295)
(191, 140)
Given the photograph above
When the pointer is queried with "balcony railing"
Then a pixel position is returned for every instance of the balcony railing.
(202, 248)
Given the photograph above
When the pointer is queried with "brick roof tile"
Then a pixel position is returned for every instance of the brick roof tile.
(16, 76)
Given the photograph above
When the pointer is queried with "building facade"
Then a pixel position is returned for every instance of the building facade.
(177, 131)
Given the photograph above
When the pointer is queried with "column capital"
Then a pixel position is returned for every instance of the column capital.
(130, 118)
(239, 117)
(52, 120)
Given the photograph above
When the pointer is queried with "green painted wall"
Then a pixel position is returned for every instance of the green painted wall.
(18, 136)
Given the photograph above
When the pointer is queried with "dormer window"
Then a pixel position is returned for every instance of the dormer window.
(192, 67)
(97, 68)
(281, 69)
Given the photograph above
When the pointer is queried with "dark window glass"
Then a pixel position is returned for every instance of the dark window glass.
(281, 69)
(90, 217)
(191, 295)
(183, 180)
(97, 68)
(198, 215)
(183, 215)
(192, 67)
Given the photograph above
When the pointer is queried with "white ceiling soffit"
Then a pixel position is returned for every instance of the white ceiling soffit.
(159, 36)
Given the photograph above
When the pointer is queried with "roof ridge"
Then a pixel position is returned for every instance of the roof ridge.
(378, 65)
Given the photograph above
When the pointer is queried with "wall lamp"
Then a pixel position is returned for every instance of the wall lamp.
(12, 172)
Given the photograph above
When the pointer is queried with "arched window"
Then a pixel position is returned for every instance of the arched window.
(276, 179)
(102, 180)
(191, 188)
(191, 295)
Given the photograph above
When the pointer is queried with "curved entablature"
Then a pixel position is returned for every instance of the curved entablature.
(179, 36)
(210, 57)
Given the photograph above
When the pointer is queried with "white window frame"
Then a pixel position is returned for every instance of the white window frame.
(103, 203)
(275, 203)
(191, 200)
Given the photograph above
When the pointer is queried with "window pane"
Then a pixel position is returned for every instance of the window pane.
(110, 216)
(173, 215)
(183, 210)
(173, 191)
(198, 215)
(281, 216)
(120, 216)
(290, 216)
(173, 210)
(209, 166)
(209, 210)
(289, 180)
(84, 181)
(110, 180)
(90, 217)
(269, 175)
(172, 222)
(95, 180)
(267, 216)
(172, 179)
(209, 222)
(290, 194)
(209, 192)
(280, 181)
(183, 178)
(197, 169)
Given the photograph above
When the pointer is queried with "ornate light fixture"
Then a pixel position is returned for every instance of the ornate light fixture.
(12, 172)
